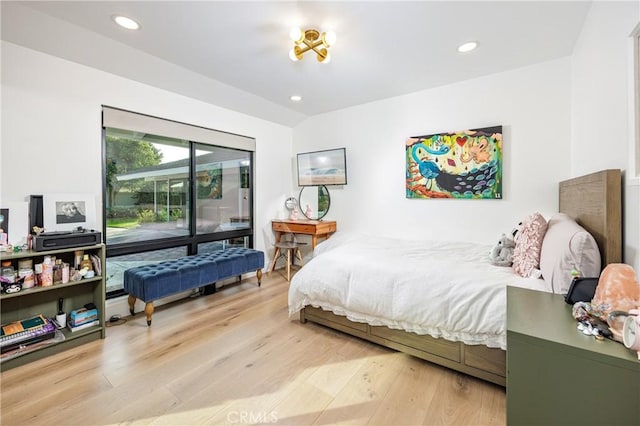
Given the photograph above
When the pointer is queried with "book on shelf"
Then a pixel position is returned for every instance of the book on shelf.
(19, 326)
(83, 326)
(75, 323)
(22, 333)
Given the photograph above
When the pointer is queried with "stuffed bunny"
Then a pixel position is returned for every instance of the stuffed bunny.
(502, 253)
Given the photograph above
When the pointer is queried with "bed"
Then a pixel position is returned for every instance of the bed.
(466, 332)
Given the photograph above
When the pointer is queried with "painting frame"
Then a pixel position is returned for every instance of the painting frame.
(244, 177)
(209, 183)
(465, 164)
(325, 167)
(68, 211)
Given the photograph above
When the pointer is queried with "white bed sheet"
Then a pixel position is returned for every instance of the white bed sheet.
(444, 289)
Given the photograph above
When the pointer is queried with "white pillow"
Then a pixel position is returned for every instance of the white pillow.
(567, 246)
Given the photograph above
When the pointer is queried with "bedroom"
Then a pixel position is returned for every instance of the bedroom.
(557, 111)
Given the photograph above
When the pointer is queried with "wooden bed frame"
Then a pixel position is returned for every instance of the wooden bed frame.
(595, 202)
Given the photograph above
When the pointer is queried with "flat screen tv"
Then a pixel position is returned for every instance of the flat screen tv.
(328, 167)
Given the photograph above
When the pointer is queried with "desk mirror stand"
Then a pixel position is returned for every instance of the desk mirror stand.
(314, 202)
(290, 203)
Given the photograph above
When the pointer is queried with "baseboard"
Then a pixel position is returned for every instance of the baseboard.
(120, 305)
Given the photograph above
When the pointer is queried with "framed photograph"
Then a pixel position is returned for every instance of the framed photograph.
(65, 212)
(328, 167)
(4, 225)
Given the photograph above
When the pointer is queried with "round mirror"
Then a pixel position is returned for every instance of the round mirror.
(291, 203)
(314, 202)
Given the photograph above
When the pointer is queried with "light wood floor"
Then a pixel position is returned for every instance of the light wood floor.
(235, 357)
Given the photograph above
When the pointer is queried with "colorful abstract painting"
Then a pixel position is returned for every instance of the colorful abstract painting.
(210, 183)
(466, 164)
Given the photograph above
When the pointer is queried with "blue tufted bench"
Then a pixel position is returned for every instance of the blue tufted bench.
(152, 282)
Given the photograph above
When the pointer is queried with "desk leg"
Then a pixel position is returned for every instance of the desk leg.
(314, 241)
(298, 255)
(276, 253)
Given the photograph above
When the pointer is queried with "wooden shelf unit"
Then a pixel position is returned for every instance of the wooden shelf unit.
(44, 300)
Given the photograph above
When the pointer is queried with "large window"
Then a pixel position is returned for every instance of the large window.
(147, 187)
(222, 189)
(171, 190)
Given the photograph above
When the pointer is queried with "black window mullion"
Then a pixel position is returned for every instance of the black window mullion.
(193, 247)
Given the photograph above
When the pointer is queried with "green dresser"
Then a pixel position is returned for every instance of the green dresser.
(557, 375)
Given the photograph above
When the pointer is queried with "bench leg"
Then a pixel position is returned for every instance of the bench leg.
(259, 276)
(148, 310)
(132, 303)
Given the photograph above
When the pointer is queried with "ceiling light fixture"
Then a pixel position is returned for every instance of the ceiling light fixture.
(295, 98)
(125, 22)
(467, 47)
(311, 40)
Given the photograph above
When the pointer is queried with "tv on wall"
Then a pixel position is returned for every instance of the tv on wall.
(328, 167)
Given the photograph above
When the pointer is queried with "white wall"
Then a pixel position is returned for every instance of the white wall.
(561, 119)
(602, 106)
(533, 106)
(51, 133)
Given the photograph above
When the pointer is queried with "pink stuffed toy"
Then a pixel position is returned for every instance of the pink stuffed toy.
(617, 293)
(618, 289)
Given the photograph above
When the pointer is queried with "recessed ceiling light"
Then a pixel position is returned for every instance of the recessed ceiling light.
(125, 22)
(295, 98)
(467, 47)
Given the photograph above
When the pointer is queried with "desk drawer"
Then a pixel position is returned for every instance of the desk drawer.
(326, 227)
(277, 226)
(299, 228)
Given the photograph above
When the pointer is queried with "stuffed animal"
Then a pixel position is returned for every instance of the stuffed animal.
(515, 232)
(502, 253)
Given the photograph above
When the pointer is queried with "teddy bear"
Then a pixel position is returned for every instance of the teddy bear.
(502, 253)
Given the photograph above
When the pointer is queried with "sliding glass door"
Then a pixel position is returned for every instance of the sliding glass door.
(166, 197)
(147, 187)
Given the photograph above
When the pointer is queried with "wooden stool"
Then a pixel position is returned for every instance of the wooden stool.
(288, 250)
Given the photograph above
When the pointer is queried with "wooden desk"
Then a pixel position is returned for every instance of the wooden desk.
(315, 228)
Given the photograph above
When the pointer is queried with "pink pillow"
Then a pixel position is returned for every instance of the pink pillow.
(526, 255)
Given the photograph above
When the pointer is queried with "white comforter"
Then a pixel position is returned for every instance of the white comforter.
(444, 289)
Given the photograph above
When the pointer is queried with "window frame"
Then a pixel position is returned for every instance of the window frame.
(634, 165)
(193, 239)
